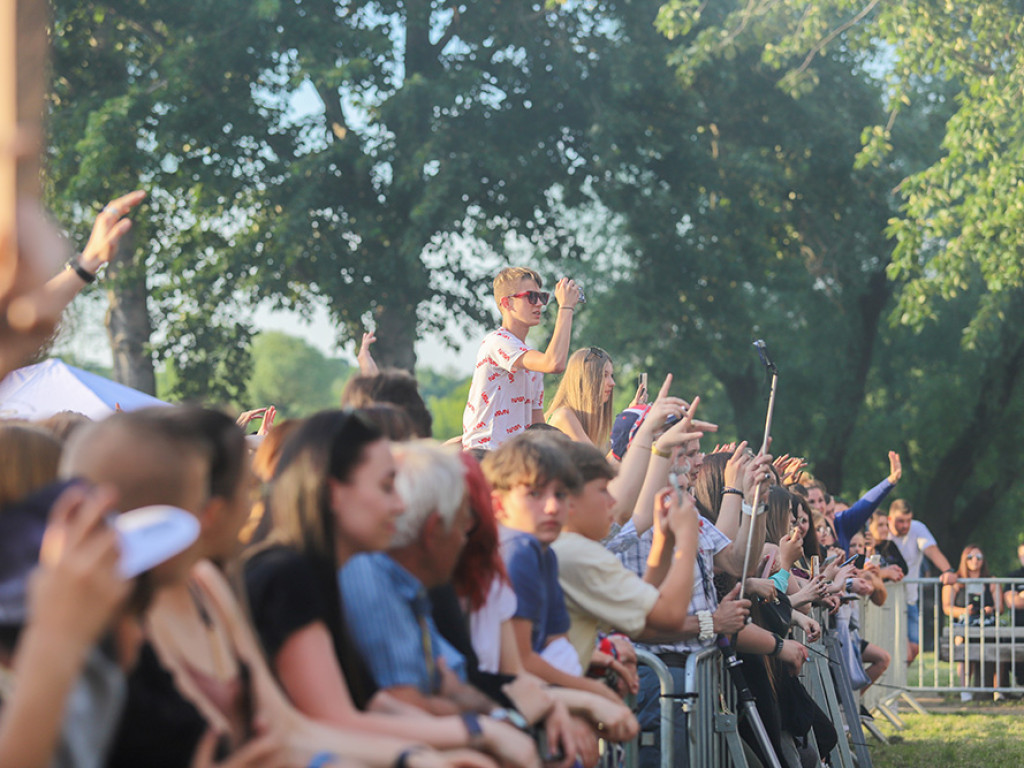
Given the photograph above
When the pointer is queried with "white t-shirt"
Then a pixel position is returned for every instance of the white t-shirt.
(501, 400)
(912, 547)
(485, 624)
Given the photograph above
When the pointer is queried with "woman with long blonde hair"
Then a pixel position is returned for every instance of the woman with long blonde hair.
(582, 406)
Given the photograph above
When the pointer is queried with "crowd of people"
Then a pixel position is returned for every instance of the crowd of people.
(350, 591)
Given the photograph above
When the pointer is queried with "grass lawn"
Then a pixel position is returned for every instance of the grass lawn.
(954, 740)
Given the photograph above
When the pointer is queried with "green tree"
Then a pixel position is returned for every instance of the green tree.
(743, 217)
(292, 375)
(431, 122)
(947, 393)
(962, 215)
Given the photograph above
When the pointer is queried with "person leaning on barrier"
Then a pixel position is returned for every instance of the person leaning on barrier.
(915, 542)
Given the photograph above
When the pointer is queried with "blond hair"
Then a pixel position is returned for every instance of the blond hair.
(580, 390)
(507, 280)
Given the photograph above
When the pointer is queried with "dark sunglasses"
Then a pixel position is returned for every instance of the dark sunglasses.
(595, 352)
(534, 297)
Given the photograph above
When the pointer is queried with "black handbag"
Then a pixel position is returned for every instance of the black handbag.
(775, 616)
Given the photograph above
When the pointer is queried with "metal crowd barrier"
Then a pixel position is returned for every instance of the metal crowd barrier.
(707, 701)
(886, 626)
(994, 646)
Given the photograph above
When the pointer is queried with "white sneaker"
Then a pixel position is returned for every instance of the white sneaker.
(966, 696)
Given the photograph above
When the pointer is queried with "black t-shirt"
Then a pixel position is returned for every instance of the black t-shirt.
(288, 591)
(159, 727)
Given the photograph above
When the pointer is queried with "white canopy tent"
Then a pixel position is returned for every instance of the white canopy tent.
(41, 390)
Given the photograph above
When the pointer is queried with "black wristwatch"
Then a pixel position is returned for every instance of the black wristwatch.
(779, 642)
(85, 275)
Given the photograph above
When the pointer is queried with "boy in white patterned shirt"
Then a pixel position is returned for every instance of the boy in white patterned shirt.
(507, 394)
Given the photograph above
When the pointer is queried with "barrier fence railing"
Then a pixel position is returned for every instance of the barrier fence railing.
(707, 705)
(970, 656)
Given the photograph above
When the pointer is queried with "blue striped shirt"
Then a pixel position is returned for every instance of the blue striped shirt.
(388, 614)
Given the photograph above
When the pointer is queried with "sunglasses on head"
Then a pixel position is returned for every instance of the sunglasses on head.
(534, 297)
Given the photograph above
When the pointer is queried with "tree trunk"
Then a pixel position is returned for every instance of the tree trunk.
(749, 404)
(951, 517)
(128, 323)
(396, 337)
(846, 407)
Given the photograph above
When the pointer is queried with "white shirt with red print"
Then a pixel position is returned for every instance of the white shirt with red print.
(501, 400)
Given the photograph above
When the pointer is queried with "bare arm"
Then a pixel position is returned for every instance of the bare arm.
(73, 594)
(108, 230)
(553, 359)
(948, 608)
(674, 591)
(948, 575)
(534, 664)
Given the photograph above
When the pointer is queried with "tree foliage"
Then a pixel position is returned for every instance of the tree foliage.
(961, 216)
(293, 376)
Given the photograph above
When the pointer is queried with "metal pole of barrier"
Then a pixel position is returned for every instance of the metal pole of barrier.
(747, 703)
(669, 695)
(847, 700)
(822, 689)
(702, 683)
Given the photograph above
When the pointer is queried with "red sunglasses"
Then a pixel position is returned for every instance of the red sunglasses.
(534, 297)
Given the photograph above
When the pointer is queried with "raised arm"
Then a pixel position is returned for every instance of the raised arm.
(670, 565)
(553, 359)
(851, 520)
(110, 226)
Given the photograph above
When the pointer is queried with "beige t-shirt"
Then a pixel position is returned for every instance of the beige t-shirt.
(600, 593)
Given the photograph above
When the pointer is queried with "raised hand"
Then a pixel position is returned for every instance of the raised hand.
(895, 467)
(367, 365)
(268, 421)
(790, 548)
(77, 588)
(758, 478)
(567, 293)
(246, 416)
(110, 226)
(684, 430)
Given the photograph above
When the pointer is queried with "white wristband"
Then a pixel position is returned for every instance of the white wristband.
(707, 626)
(749, 510)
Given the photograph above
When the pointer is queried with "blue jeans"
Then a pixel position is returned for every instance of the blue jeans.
(648, 714)
(912, 629)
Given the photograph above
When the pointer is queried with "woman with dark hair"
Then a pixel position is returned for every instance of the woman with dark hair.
(394, 386)
(333, 496)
